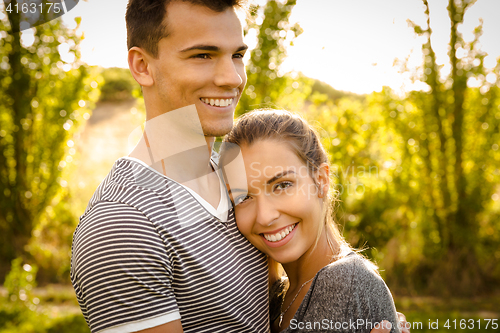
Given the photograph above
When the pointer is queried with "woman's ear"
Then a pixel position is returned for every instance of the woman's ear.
(140, 67)
(322, 178)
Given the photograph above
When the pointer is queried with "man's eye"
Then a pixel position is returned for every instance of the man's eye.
(238, 55)
(202, 56)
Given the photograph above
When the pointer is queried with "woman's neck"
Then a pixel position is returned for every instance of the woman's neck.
(310, 263)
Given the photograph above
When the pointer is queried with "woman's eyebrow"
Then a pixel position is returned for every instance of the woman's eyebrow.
(279, 175)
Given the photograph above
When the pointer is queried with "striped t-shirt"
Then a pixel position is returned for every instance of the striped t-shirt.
(146, 252)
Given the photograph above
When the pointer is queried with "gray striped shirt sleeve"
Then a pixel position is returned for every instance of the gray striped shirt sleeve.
(120, 268)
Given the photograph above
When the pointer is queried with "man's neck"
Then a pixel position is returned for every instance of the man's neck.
(174, 144)
(210, 143)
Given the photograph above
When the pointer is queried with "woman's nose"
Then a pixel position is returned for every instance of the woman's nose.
(267, 212)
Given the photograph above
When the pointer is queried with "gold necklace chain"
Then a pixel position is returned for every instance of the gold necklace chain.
(282, 314)
(294, 298)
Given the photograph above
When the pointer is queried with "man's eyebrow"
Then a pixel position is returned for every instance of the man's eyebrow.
(242, 48)
(279, 175)
(213, 48)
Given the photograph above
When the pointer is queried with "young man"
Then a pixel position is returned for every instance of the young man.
(150, 252)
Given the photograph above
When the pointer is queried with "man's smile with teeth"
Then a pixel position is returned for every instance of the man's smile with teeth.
(220, 102)
(279, 235)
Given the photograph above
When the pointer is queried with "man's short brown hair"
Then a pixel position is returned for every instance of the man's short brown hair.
(145, 25)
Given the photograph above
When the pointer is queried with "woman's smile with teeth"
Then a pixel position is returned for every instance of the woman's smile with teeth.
(279, 235)
(220, 102)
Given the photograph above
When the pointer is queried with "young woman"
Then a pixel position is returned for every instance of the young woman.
(284, 210)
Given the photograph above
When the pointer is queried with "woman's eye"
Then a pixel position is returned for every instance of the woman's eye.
(282, 185)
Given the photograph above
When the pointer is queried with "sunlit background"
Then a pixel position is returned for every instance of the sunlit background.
(416, 165)
(351, 45)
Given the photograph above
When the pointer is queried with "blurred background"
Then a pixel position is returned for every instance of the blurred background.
(406, 97)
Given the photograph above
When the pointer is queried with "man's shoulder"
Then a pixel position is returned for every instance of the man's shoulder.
(119, 169)
(130, 173)
(129, 183)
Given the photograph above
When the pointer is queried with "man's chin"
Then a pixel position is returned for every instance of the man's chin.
(213, 131)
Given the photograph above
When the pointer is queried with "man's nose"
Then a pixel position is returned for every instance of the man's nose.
(267, 212)
(227, 74)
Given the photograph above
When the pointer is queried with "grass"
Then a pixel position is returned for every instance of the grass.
(58, 311)
(432, 314)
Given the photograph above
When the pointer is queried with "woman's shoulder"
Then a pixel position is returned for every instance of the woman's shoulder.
(352, 272)
(352, 263)
(354, 282)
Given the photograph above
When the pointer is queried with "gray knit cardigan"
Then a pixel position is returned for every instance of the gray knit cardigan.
(347, 295)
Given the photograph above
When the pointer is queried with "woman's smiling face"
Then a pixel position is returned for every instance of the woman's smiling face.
(282, 213)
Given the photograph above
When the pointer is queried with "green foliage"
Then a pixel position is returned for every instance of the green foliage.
(43, 98)
(20, 283)
(29, 321)
(22, 311)
(69, 324)
(118, 84)
(14, 320)
(450, 137)
(18, 310)
(416, 174)
(50, 244)
(454, 312)
(330, 93)
(267, 84)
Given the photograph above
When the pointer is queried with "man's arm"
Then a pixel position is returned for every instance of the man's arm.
(171, 327)
(121, 270)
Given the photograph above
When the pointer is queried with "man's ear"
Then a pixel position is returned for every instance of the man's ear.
(138, 62)
(322, 178)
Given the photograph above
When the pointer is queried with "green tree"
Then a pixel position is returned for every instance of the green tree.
(267, 85)
(43, 98)
(118, 84)
(451, 135)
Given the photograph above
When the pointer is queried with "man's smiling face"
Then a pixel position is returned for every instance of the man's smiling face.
(200, 62)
